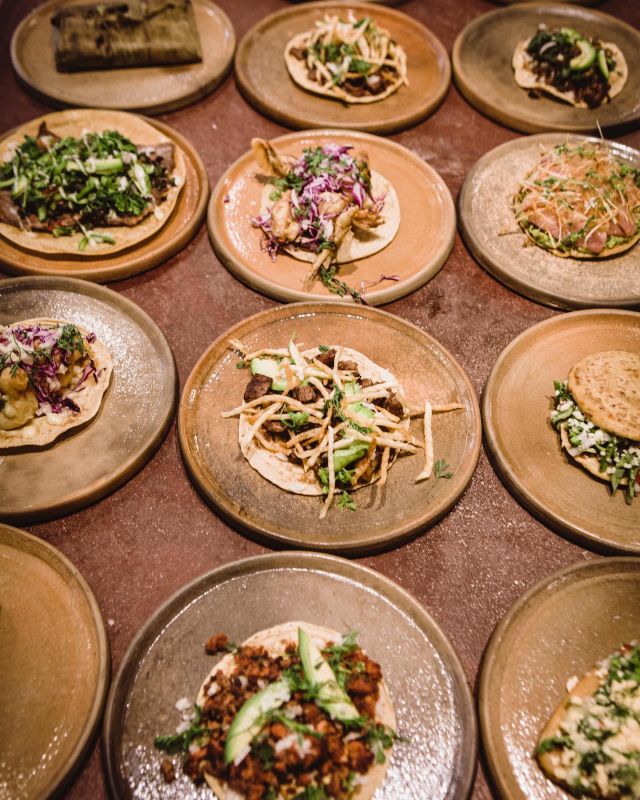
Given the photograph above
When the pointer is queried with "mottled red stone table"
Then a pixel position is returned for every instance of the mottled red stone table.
(142, 543)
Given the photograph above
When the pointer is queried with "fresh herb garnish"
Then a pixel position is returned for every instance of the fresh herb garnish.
(347, 502)
(440, 469)
(179, 742)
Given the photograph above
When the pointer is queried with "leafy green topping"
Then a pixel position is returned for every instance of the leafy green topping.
(71, 339)
(180, 742)
(296, 419)
(347, 502)
(440, 469)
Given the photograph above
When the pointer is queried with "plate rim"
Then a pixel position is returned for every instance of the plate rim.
(486, 701)
(283, 294)
(563, 526)
(34, 546)
(284, 118)
(135, 463)
(102, 272)
(476, 100)
(362, 545)
(538, 295)
(294, 559)
(165, 107)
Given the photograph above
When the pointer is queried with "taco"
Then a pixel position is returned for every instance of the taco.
(53, 375)
(326, 207)
(590, 746)
(297, 710)
(87, 182)
(350, 59)
(580, 201)
(326, 421)
(597, 413)
(576, 69)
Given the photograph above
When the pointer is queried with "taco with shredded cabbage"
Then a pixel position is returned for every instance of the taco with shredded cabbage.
(296, 711)
(53, 376)
(327, 207)
(87, 182)
(350, 59)
(326, 421)
(570, 66)
(580, 201)
(597, 413)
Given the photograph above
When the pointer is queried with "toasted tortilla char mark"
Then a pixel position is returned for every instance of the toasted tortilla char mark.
(275, 640)
(606, 387)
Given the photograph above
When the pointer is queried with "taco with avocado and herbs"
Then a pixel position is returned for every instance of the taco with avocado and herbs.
(597, 413)
(580, 201)
(324, 207)
(53, 376)
(87, 182)
(296, 711)
(570, 66)
(590, 745)
(350, 59)
(326, 421)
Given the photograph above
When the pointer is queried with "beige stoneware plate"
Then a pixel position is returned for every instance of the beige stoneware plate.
(524, 446)
(90, 461)
(179, 229)
(418, 251)
(154, 90)
(385, 516)
(492, 235)
(561, 627)
(265, 82)
(481, 59)
(166, 661)
(54, 661)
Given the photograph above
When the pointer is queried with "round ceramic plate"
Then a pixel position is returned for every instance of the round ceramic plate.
(264, 79)
(54, 659)
(524, 446)
(420, 248)
(482, 56)
(154, 90)
(166, 661)
(491, 233)
(179, 229)
(561, 627)
(136, 411)
(385, 516)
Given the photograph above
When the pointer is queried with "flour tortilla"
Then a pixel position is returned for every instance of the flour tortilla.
(525, 76)
(41, 430)
(298, 71)
(586, 687)
(75, 122)
(606, 387)
(275, 640)
(275, 467)
(357, 244)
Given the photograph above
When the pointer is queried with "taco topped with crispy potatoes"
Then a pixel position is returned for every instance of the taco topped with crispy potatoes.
(296, 711)
(53, 375)
(348, 58)
(327, 207)
(580, 201)
(326, 420)
(87, 183)
(570, 66)
(597, 413)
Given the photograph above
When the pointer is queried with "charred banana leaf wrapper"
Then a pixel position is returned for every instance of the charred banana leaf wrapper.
(139, 33)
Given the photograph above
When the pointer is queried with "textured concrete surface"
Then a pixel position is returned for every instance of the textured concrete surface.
(155, 534)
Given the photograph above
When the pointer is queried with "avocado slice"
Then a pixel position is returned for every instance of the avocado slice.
(571, 34)
(352, 389)
(249, 721)
(272, 369)
(347, 455)
(587, 55)
(602, 64)
(331, 697)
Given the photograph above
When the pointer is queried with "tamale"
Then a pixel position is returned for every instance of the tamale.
(136, 33)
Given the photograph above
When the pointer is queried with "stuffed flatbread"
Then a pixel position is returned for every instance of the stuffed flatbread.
(53, 376)
(87, 182)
